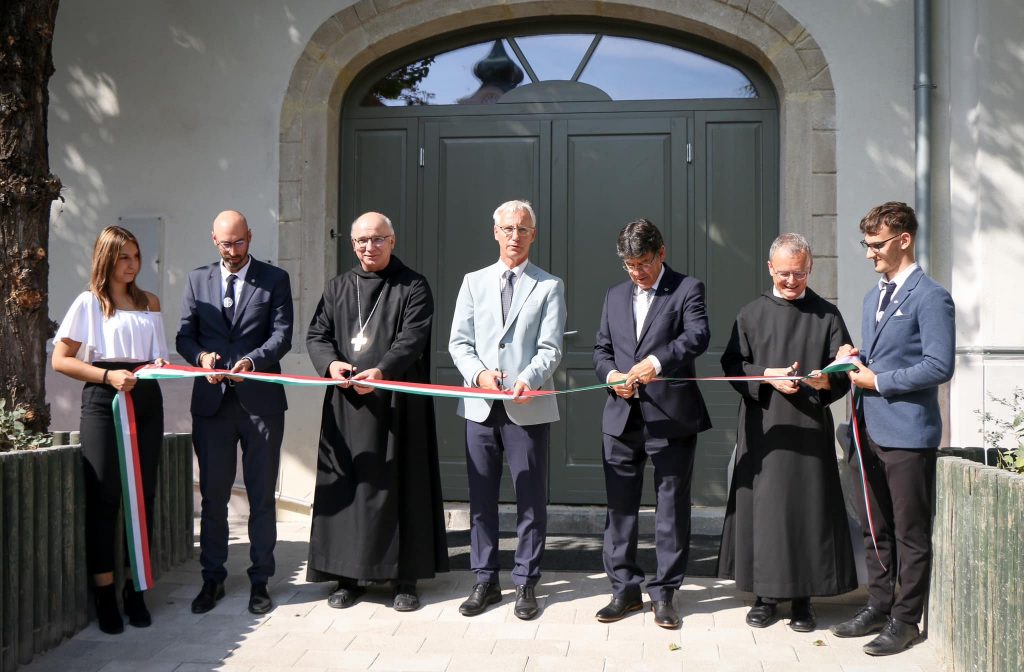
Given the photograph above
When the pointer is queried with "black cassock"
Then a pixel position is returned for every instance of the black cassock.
(377, 509)
(786, 533)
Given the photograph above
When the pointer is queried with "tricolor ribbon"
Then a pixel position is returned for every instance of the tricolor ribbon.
(855, 431)
(124, 416)
(131, 489)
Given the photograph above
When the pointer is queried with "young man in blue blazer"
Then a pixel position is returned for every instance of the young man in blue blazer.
(906, 352)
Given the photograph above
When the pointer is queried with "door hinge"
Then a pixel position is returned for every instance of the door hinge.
(423, 157)
(689, 152)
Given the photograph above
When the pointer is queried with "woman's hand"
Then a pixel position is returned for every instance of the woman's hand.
(121, 380)
(160, 361)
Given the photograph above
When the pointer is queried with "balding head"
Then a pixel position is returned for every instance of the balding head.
(373, 240)
(232, 236)
(372, 219)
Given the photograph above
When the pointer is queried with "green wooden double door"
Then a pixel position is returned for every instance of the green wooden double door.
(708, 179)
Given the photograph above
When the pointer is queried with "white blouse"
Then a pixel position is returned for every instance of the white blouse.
(126, 336)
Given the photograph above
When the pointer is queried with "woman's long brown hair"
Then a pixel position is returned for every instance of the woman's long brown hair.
(104, 255)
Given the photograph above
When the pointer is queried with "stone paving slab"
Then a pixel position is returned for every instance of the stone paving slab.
(303, 634)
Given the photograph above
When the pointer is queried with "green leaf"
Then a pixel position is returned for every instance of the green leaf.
(674, 647)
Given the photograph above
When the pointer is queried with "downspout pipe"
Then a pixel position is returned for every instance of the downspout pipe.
(922, 127)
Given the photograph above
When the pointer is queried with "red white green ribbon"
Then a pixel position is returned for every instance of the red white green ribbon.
(131, 489)
(855, 431)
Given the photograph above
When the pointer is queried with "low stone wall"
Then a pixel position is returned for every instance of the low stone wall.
(43, 582)
(976, 607)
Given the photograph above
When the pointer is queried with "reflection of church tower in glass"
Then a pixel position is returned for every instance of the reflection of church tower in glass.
(497, 73)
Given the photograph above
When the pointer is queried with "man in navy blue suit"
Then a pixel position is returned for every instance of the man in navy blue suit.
(907, 350)
(664, 333)
(236, 315)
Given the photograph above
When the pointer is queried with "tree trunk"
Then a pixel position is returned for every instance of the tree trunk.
(26, 191)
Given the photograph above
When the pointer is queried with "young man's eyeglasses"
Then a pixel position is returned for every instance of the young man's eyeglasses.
(877, 247)
(376, 241)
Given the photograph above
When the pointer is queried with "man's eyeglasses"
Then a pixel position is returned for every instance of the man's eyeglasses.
(523, 231)
(642, 267)
(228, 245)
(877, 247)
(795, 275)
(376, 241)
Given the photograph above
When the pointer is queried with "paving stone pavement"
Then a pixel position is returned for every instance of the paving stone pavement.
(303, 634)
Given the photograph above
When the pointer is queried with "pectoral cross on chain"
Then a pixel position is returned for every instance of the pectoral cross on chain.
(358, 341)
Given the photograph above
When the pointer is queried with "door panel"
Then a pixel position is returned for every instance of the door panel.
(736, 206)
(605, 173)
(471, 168)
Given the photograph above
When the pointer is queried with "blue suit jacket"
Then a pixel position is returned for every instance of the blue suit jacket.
(676, 331)
(912, 351)
(527, 346)
(261, 331)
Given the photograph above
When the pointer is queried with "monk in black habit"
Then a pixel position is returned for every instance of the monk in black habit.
(786, 535)
(377, 510)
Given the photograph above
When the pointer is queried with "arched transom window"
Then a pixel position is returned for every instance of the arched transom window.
(577, 67)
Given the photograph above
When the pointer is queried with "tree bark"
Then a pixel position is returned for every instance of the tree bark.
(27, 189)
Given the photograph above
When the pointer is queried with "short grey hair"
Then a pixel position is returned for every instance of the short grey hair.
(513, 207)
(794, 243)
(387, 220)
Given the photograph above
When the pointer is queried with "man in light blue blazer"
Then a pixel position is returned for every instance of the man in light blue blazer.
(507, 335)
(907, 350)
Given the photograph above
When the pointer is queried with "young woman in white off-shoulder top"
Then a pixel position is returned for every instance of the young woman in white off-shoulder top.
(110, 330)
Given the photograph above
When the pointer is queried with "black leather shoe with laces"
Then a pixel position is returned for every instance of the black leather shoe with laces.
(618, 609)
(665, 614)
(802, 616)
(208, 596)
(526, 603)
(896, 636)
(483, 595)
(259, 599)
(865, 622)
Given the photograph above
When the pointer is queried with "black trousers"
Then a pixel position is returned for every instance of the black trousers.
(215, 439)
(901, 489)
(102, 468)
(624, 460)
(526, 449)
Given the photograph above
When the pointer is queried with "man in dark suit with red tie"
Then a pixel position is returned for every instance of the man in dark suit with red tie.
(236, 315)
(664, 333)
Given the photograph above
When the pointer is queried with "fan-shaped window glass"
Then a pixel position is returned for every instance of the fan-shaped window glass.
(624, 68)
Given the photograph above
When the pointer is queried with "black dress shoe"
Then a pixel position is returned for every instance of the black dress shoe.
(762, 614)
(867, 621)
(483, 595)
(208, 596)
(345, 596)
(618, 609)
(665, 614)
(406, 598)
(802, 616)
(896, 636)
(526, 603)
(259, 599)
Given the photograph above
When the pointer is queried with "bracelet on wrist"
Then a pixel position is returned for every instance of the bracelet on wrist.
(106, 372)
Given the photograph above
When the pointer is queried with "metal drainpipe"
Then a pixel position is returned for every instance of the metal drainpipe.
(922, 126)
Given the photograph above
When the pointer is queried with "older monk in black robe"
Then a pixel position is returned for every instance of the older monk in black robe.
(377, 510)
(786, 535)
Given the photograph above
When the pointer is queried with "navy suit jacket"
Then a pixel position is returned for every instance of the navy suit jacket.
(676, 331)
(261, 331)
(912, 351)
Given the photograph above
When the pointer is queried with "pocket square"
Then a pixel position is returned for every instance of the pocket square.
(898, 313)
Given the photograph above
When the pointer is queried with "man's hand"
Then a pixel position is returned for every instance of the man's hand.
(863, 377)
(243, 365)
(490, 380)
(643, 371)
(517, 391)
(817, 381)
(209, 361)
(847, 350)
(339, 370)
(369, 374)
(784, 386)
(627, 389)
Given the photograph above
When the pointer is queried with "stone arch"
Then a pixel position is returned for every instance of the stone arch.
(360, 34)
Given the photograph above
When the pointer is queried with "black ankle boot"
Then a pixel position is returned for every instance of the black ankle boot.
(107, 615)
(135, 606)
